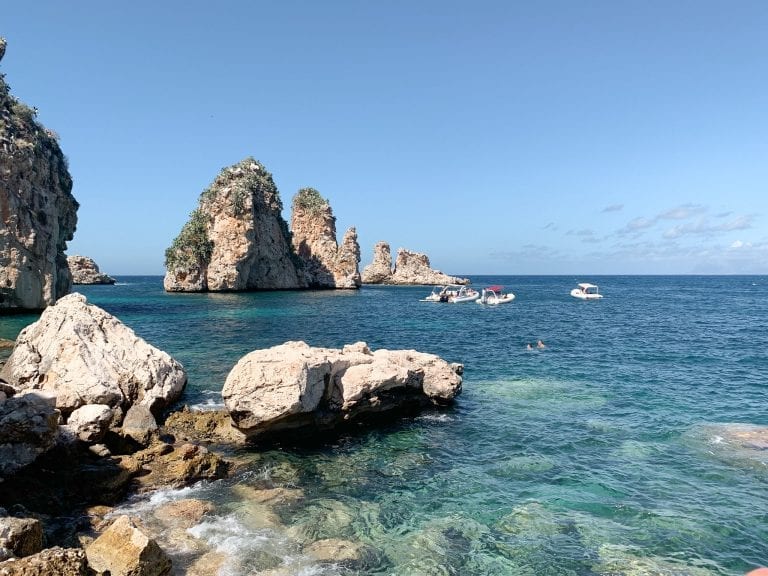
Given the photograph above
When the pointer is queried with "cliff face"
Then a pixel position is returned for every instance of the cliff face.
(236, 239)
(410, 268)
(85, 271)
(38, 213)
(313, 226)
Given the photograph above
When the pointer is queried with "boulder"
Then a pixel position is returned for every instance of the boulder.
(411, 268)
(124, 550)
(139, 424)
(90, 423)
(50, 562)
(174, 465)
(297, 386)
(313, 228)
(183, 513)
(84, 355)
(28, 428)
(85, 271)
(236, 239)
(38, 213)
(20, 537)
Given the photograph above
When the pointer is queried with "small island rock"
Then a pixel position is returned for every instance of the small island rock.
(295, 386)
(410, 268)
(85, 271)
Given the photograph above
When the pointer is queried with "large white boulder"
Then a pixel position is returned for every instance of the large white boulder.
(83, 355)
(296, 386)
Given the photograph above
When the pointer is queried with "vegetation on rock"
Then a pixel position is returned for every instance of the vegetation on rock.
(192, 247)
(310, 200)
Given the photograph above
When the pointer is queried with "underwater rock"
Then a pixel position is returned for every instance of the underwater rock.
(295, 386)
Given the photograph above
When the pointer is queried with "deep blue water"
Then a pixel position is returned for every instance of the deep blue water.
(598, 455)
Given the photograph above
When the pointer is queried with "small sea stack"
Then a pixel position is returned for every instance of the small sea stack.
(411, 268)
(85, 271)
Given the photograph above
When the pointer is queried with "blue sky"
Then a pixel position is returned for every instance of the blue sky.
(554, 137)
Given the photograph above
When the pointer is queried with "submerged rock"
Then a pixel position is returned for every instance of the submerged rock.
(236, 239)
(410, 268)
(83, 355)
(313, 227)
(38, 213)
(296, 386)
(85, 271)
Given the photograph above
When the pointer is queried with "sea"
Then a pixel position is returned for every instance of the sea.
(611, 451)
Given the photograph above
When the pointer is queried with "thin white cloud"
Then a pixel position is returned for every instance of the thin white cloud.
(682, 212)
(704, 227)
(613, 208)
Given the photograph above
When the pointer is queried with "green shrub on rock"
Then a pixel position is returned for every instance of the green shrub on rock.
(192, 247)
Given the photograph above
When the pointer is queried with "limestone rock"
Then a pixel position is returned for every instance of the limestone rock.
(84, 355)
(410, 268)
(380, 270)
(183, 513)
(139, 424)
(337, 551)
(236, 239)
(202, 426)
(166, 465)
(85, 271)
(124, 550)
(313, 227)
(38, 213)
(50, 562)
(296, 386)
(20, 536)
(90, 422)
(28, 428)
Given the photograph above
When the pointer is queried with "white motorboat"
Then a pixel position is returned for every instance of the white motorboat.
(453, 293)
(586, 291)
(494, 295)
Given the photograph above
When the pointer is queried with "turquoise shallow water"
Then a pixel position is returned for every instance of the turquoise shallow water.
(597, 455)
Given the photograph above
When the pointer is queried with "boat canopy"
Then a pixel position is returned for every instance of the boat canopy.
(585, 285)
(495, 288)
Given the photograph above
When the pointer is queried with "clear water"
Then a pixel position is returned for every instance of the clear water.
(597, 455)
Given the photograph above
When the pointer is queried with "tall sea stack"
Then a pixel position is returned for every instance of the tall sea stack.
(38, 213)
(313, 226)
(236, 239)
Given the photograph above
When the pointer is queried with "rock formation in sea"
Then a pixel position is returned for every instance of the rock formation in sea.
(410, 268)
(85, 356)
(38, 213)
(295, 386)
(85, 271)
(313, 227)
(236, 239)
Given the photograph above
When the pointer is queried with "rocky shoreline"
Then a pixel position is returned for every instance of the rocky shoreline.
(87, 419)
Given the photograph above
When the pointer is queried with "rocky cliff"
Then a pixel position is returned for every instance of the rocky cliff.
(236, 239)
(38, 213)
(313, 226)
(410, 268)
(85, 271)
